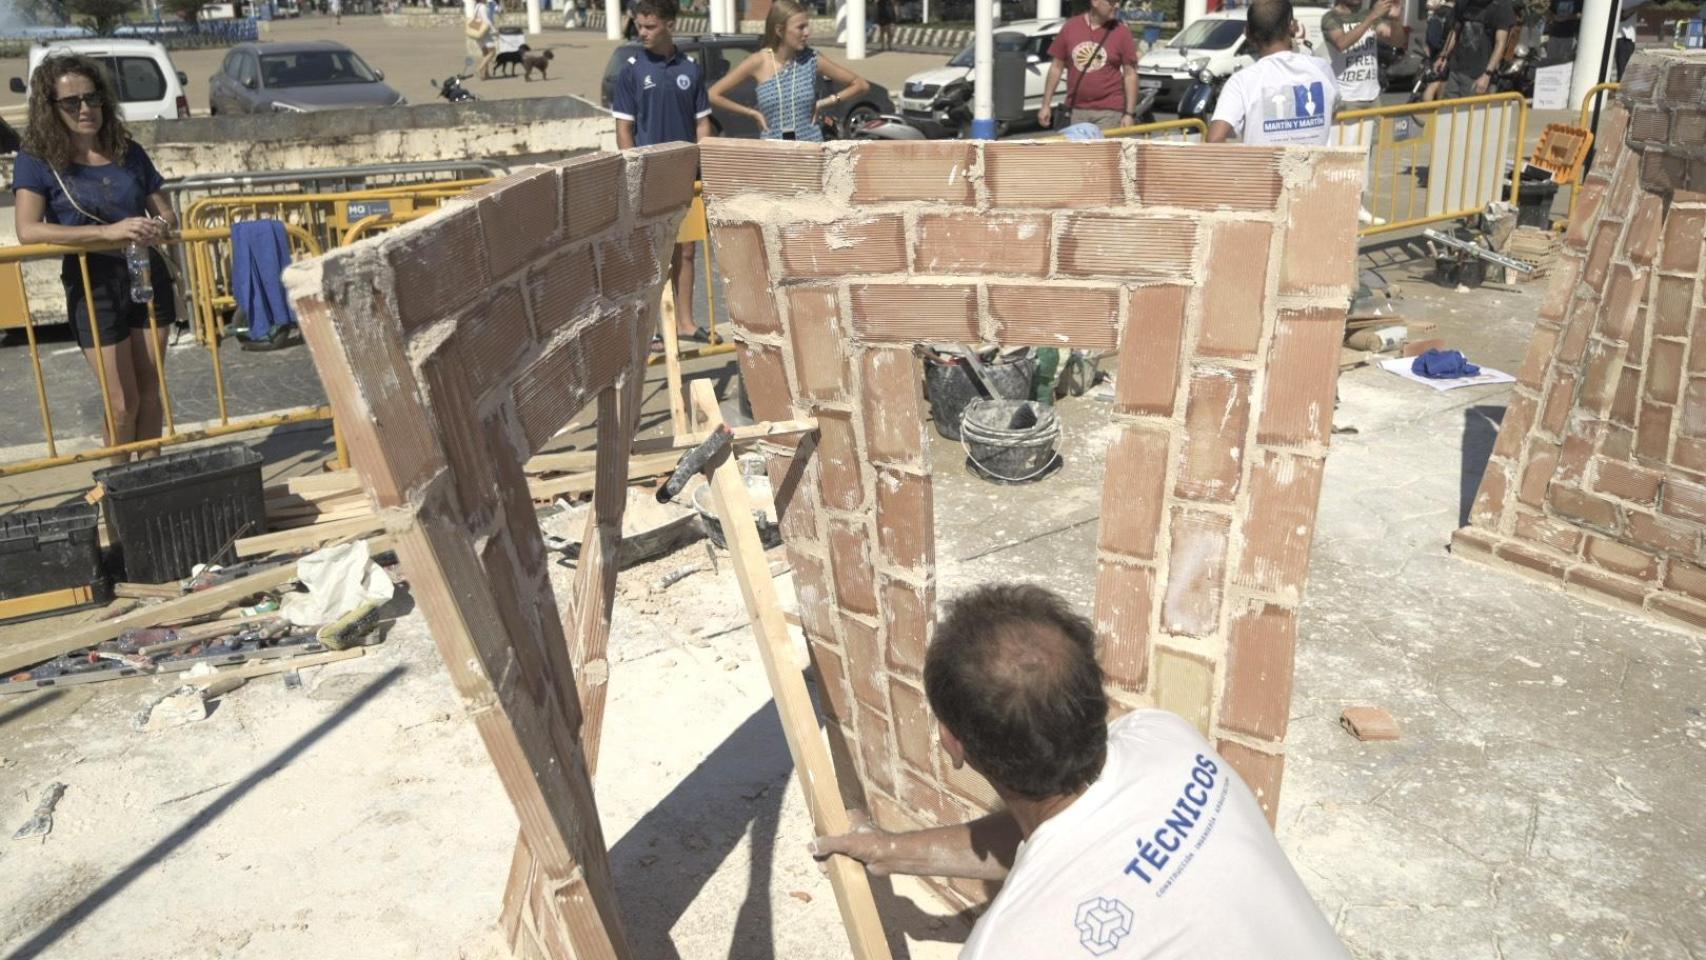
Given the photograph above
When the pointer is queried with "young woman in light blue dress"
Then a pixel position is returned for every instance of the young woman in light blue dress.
(786, 69)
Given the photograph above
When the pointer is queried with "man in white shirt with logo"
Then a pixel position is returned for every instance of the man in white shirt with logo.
(1284, 97)
(1134, 841)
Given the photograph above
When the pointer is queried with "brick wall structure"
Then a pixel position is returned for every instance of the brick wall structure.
(1598, 478)
(452, 349)
(1220, 273)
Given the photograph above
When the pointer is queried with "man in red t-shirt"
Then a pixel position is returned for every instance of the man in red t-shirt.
(1100, 58)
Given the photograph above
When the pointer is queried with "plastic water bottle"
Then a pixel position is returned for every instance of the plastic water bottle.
(141, 283)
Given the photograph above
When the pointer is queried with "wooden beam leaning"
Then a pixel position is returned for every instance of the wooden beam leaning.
(806, 742)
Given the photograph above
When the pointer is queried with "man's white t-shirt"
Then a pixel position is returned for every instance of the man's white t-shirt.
(1283, 98)
(1165, 857)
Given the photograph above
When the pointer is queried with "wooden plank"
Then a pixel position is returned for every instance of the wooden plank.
(148, 591)
(639, 468)
(793, 702)
(672, 359)
(189, 636)
(309, 536)
(38, 603)
(321, 484)
(31, 652)
(577, 461)
(281, 665)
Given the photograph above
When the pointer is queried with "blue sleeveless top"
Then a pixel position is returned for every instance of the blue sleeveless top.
(786, 99)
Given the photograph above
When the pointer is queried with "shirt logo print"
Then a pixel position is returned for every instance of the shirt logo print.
(648, 84)
(1102, 923)
(1089, 56)
(682, 81)
(1296, 107)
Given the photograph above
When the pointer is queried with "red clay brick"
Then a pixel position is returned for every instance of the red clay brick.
(1617, 443)
(875, 753)
(1693, 422)
(745, 269)
(1583, 314)
(1672, 299)
(1489, 502)
(1542, 561)
(667, 173)
(1148, 380)
(1259, 656)
(914, 727)
(1641, 243)
(1537, 472)
(865, 246)
(1211, 459)
(850, 566)
(1607, 584)
(492, 338)
(1056, 316)
(1584, 508)
(1684, 500)
(1626, 482)
(1279, 524)
(1660, 536)
(1622, 559)
(820, 350)
(816, 600)
(1537, 529)
(1604, 364)
(969, 785)
(1234, 288)
(1261, 772)
(929, 802)
(1559, 398)
(1587, 208)
(863, 657)
(1513, 430)
(771, 167)
(983, 245)
(915, 313)
(905, 519)
(894, 414)
(1649, 123)
(1573, 459)
(1195, 573)
(1684, 229)
(1208, 176)
(550, 391)
(1679, 609)
(1687, 578)
(1127, 247)
(1690, 454)
(1599, 254)
(1302, 374)
(1184, 684)
(1652, 438)
(593, 187)
(1125, 596)
(628, 264)
(1664, 371)
(1132, 506)
(1467, 541)
(766, 382)
(429, 284)
(1626, 402)
(1566, 271)
(1532, 373)
(938, 172)
(838, 462)
(453, 403)
(1622, 299)
(520, 220)
(563, 289)
(792, 481)
(908, 615)
(1053, 174)
(1318, 255)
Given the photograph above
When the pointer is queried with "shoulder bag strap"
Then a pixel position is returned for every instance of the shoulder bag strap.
(1072, 95)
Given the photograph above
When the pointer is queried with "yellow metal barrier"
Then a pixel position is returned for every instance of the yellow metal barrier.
(1181, 130)
(1464, 163)
(196, 243)
(1589, 100)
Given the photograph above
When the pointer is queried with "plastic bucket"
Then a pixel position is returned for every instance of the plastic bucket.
(949, 387)
(1012, 441)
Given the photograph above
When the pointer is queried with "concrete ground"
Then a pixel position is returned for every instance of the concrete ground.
(1539, 804)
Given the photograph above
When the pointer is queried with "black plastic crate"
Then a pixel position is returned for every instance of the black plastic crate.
(44, 551)
(170, 513)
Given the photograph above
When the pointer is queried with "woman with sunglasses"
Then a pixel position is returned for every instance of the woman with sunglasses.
(79, 180)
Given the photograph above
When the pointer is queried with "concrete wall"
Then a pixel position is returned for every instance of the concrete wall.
(1221, 273)
(1598, 478)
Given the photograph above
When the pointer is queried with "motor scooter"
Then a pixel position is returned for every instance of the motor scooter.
(453, 90)
(1199, 99)
(953, 103)
(1517, 74)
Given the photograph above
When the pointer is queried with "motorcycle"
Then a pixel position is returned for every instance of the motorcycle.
(453, 90)
(1200, 98)
(952, 105)
(1517, 74)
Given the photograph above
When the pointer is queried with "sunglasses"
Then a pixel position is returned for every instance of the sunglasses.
(93, 101)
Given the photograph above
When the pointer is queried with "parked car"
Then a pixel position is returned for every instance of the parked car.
(921, 89)
(297, 78)
(716, 55)
(149, 86)
(1215, 42)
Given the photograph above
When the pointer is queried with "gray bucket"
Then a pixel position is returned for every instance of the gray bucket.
(949, 387)
(1012, 441)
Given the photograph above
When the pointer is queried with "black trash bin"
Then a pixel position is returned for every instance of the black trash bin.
(1534, 204)
(175, 511)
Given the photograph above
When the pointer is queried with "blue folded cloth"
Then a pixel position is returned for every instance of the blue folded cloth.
(1443, 365)
(260, 250)
(1082, 131)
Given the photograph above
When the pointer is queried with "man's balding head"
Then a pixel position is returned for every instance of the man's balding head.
(1268, 22)
(1012, 674)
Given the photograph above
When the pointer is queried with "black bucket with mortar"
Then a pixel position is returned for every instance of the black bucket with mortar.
(949, 387)
(1012, 441)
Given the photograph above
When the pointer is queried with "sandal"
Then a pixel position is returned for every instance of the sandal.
(657, 343)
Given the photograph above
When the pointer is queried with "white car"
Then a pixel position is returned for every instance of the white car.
(1216, 42)
(922, 88)
(150, 87)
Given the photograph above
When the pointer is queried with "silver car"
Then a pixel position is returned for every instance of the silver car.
(296, 78)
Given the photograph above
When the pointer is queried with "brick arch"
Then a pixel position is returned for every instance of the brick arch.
(1221, 273)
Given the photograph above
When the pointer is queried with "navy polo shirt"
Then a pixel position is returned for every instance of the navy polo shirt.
(664, 97)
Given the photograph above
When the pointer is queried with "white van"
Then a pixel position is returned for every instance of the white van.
(149, 86)
(921, 88)
(1216, 42)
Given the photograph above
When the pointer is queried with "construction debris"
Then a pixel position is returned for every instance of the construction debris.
(1369, 723)
(40, 823)
(182, 707)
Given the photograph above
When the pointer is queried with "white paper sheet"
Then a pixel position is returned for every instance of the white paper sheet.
(1401, 367)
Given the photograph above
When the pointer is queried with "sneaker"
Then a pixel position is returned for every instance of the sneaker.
(1368, 219)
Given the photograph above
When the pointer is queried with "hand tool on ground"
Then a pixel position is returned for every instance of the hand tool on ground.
(694, 461)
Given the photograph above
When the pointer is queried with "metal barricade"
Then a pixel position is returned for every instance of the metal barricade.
(1590, 103)
(1187, 130)
(196, 241)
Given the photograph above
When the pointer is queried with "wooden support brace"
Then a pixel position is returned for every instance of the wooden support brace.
(672, 359)
(793, 701)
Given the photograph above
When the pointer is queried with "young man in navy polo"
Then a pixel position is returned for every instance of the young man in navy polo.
(661, 98)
